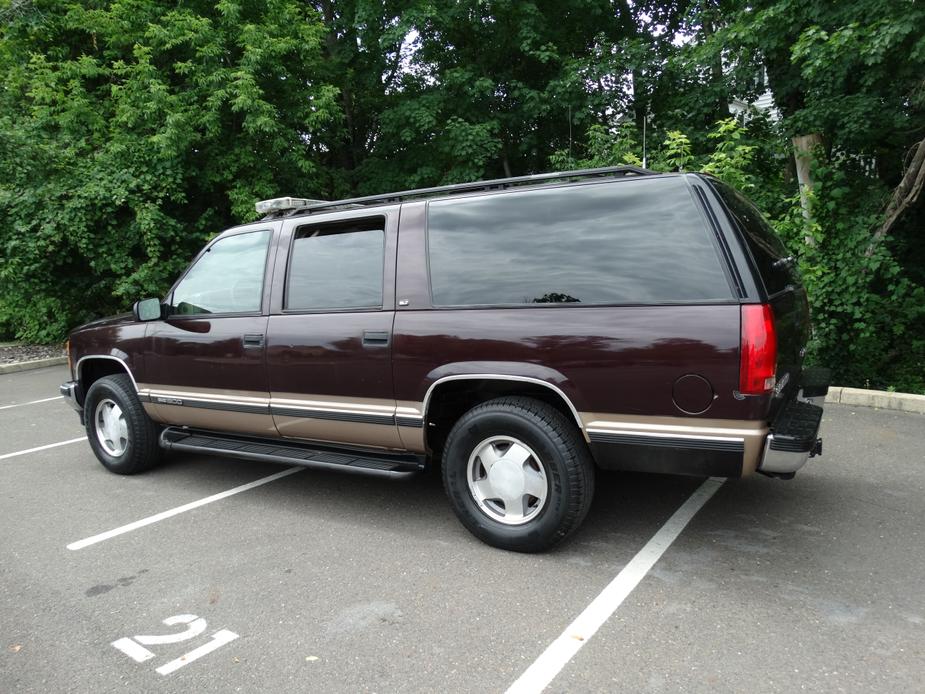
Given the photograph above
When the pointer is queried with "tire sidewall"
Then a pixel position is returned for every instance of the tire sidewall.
(474, 429)
(107, 389)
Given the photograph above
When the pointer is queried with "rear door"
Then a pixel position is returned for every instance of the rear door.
(330, 329)
(782, 281)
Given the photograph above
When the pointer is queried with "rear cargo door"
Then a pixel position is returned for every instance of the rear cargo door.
(784, 286)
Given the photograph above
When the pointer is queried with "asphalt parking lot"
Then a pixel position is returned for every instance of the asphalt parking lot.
(321, 582)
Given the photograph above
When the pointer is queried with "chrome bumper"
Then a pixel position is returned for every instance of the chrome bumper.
(69, 391)
(795, 437)
(784, 462)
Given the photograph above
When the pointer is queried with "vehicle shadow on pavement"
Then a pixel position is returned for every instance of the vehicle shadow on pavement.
(627, 509)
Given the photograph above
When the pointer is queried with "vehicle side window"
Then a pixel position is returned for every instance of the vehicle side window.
(766, 246)
(337, 266)
(624, 242)
(227, 278)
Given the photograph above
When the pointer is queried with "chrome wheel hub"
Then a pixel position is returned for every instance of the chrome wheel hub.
(111, 428)
(507, 480)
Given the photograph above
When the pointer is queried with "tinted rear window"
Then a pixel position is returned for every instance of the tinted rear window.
(765, 245)
(608, 243)
(337, 266)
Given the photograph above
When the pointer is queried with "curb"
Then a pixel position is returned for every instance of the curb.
(29, 365)
(884, 400)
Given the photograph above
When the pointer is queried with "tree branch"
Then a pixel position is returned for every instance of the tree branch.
(904, 195)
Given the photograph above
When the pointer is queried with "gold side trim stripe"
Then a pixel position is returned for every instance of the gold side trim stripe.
(286, 403)
(328, 406)
(699, 437)
(204, 397)
(673, 429)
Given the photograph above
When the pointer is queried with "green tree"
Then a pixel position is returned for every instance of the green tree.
(492, 88)
(850, 74)
(131, 131)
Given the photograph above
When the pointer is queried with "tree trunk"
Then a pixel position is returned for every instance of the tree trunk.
(803, 146)
(717, 78)
(506, 164)
(904, 195)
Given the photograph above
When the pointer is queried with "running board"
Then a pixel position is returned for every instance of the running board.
(283, 451)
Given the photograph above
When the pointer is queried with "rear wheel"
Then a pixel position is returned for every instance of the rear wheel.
(120, 432)
(518, 474)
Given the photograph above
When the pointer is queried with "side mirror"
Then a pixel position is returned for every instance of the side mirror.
(147, 309)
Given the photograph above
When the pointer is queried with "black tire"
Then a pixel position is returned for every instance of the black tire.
(562, 453)
(141, 450)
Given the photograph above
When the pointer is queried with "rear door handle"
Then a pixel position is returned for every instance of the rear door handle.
(376, 337)
(252, 340)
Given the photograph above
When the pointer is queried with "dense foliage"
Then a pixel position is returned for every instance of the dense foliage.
(132, 130)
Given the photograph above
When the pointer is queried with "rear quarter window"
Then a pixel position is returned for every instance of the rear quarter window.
(625, 242)
(765, 245)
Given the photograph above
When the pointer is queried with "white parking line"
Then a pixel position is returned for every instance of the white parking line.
(219, 639)
(31, 402)
(41, 448)
(80, 544)
(544, 669)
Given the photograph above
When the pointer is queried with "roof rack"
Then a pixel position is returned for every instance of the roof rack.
(292, 206)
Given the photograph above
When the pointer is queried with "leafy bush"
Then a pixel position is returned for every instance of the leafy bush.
(130, 134)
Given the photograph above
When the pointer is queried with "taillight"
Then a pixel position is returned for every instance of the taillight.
(759, 350)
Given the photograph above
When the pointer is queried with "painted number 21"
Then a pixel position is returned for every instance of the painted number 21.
(134, 647)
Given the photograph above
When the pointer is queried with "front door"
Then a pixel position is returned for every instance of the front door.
(329, 338)
(207, 362)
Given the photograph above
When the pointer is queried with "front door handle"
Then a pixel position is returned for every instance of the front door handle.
(376, 337)
(252, 341)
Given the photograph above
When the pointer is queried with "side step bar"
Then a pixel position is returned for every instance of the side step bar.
(281, 451)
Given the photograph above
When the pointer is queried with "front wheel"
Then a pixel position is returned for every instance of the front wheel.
(120, 432)
(518, 474)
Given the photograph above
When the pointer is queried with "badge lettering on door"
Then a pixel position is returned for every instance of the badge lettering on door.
(169, 401)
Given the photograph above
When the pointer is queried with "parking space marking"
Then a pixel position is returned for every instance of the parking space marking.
(80, 544)
(41, 448)
(545, 668)
(134, 647)
(219, 639)
(31, 402)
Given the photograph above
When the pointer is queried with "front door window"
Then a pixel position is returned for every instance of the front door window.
(227, 278)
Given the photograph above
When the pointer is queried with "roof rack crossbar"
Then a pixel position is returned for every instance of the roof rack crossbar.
(475, 186)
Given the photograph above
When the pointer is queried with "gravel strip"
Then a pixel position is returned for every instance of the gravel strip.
(11, 354)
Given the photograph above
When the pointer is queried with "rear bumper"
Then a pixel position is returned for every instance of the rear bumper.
(794, 439)
(775, 461)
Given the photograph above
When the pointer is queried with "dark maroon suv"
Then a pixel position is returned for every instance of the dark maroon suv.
(517, 333)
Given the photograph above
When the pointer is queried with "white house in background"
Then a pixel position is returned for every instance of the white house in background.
(764, 103)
